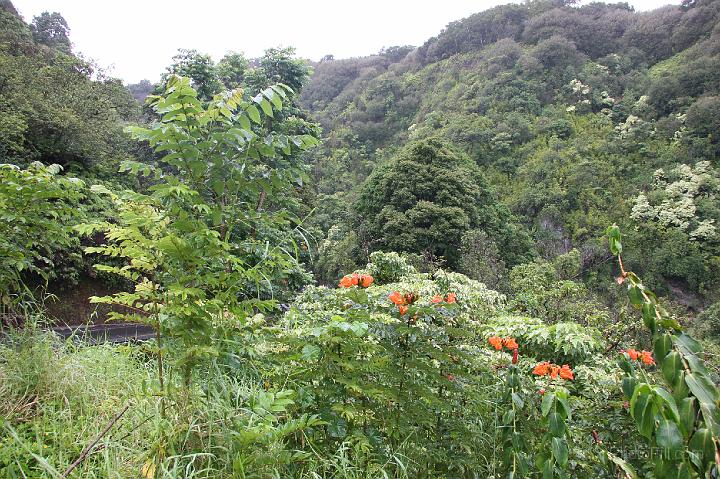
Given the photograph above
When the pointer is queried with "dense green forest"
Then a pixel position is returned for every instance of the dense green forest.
(492, 255)
(575, 117)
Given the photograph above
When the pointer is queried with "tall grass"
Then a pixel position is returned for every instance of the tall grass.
(57, 395)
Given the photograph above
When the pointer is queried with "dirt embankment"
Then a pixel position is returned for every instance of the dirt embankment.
(71, 304)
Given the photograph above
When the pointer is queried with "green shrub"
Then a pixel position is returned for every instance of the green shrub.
(388, 267)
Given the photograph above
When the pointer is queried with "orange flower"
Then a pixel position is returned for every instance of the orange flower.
(496, 342)
(633, 354)
(546, 368)
(397, 298)
(403, 309)
(542, 368)
(348, 280)
(515, 356)
(366, 280)
(363, 280)
(510, 343)
(437, 299)
(644, 356)
(451, 298)
(647, 358)
(566, 372)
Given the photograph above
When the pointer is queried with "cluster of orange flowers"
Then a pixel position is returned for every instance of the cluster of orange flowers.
(644, 356)
(403, 300)
(497, 342)
(450, 298)
(544, 368)
(362, 280)
(547, 368)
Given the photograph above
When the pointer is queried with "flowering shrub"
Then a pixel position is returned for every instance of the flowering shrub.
(423, 365)
(680, 198)
(388, 360)
(560, 342)
(552, 448)
(389, 267)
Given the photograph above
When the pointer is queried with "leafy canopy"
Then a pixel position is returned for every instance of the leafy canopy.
(425, 199)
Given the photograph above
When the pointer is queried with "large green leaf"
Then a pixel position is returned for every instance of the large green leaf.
(639, 400)
(244, 122)
(547, 403)
(688, 343)
(563, 407)
(628, 386)
(642, 410)
(666, 400)
(556, 425)
(548, 470)
(702, 388)
(266, 107)
(560, 450)
(702, 442)
(649, 316)
(680, 388)
(613, 233)
(688, 414)
(662, 346)
(271, 95)
(647, 421)
(623, 465)
(635, 295)
(253, 113)
(668, 435)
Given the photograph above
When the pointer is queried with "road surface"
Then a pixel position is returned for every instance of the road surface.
(107, 332)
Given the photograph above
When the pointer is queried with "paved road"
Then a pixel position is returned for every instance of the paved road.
(107, 333)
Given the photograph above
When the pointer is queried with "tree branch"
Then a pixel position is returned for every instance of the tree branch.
(89, 448)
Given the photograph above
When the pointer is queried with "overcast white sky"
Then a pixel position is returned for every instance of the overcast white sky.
(136, 39)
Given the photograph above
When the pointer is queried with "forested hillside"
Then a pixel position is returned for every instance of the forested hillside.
(494, 255)
(576, 117)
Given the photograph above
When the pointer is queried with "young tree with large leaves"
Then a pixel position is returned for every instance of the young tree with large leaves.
(196, 247)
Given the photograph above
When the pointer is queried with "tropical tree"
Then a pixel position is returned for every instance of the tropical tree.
(197, 248)
(51, 29)
(426, 198)
(199, 68)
